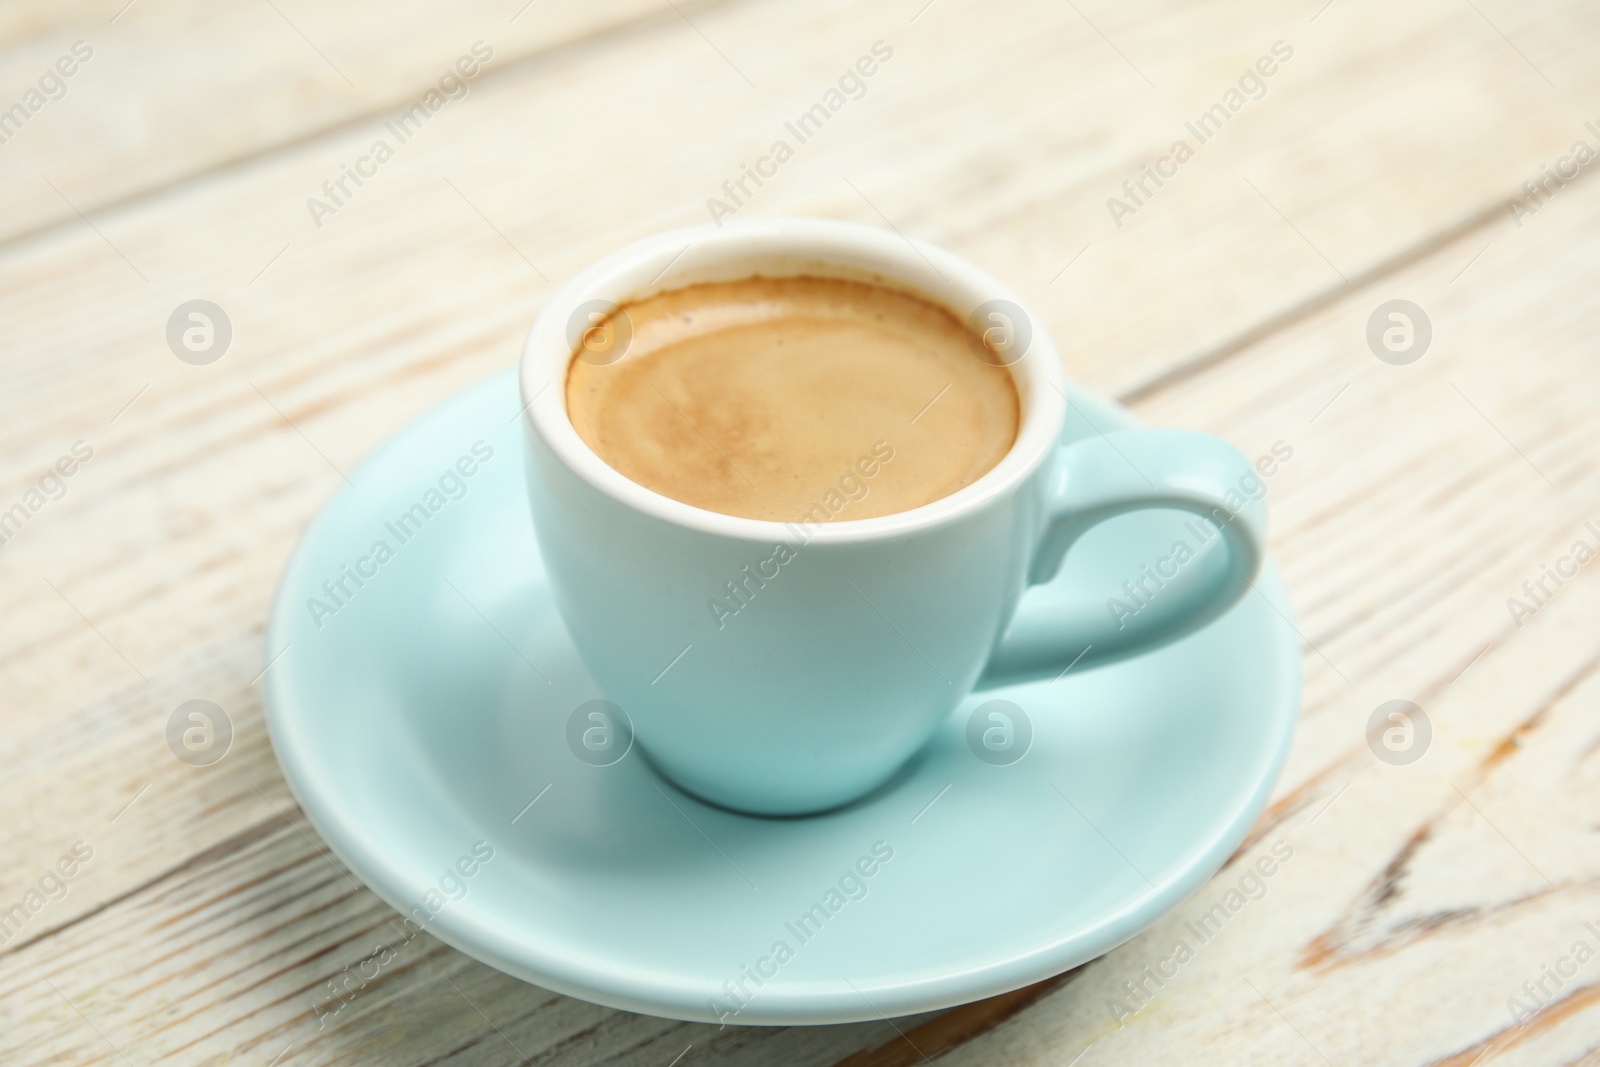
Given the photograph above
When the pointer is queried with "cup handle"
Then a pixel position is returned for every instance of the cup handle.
(1096, 479)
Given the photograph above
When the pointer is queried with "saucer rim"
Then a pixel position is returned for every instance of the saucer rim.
(614, 983)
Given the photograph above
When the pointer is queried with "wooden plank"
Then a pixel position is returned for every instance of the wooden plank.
(1421, 897)
(266, 948)
(999, 137)
(312, 344)
(920, 1044)
(162, 92)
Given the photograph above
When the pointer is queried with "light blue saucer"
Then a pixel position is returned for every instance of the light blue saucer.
(422, 720)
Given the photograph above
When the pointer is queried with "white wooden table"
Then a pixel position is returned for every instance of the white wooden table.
(1431, 910)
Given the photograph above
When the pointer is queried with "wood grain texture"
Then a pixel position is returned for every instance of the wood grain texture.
(176, 91)
(1377, 164)
(1420, 898)
(920, 1044)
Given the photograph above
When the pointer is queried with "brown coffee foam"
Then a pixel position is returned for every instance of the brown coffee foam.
(795, 399)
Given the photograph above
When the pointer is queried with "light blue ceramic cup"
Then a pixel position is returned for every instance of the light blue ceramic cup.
(852, 639)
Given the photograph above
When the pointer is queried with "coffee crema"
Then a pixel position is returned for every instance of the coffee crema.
(798, 399)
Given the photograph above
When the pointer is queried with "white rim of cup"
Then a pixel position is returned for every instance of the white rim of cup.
(772, 248)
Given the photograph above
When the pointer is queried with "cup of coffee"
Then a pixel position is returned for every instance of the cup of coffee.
(792, 480)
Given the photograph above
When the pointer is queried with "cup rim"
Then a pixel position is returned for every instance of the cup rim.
(735, 249)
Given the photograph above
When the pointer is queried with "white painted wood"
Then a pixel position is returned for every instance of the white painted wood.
(1389, 142)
